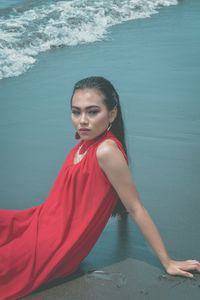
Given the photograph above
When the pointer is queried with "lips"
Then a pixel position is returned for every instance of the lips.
(84, 130)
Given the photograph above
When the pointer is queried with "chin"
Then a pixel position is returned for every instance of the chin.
(86, 138)
(91, 136)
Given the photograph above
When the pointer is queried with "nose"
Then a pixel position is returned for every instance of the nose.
(83, 119)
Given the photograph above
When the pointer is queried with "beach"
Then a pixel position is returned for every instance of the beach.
(154, 64)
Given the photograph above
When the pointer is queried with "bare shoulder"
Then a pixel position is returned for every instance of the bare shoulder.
(106, 149)
(109, 154)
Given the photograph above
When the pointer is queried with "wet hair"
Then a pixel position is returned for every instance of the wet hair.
(111, 99)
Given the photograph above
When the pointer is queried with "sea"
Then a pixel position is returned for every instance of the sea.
(30, 27)
(150, 50)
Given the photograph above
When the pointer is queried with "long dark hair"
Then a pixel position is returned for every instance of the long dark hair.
(111, 99)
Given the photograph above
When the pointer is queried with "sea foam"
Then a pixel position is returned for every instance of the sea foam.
(26, 31)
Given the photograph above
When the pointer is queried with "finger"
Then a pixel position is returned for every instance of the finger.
(191, 266)
(193, 261)
(185, 274)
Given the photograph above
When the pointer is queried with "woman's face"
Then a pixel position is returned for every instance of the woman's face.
(90, 115)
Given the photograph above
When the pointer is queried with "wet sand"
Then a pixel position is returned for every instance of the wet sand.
(128, 278)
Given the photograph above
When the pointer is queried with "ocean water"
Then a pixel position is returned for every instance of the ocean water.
(9, 3)
(150, 51)
(28, 28)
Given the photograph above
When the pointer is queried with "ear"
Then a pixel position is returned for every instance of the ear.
(113, 114)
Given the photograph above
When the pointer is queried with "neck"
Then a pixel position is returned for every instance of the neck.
(88, 143)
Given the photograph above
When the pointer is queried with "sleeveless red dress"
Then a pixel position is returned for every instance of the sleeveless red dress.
(50, 240)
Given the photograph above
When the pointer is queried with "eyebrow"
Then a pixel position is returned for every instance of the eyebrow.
(87, 107)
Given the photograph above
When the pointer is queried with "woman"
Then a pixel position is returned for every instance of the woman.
(50, 241)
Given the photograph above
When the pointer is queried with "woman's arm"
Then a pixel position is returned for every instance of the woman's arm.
(114, 165)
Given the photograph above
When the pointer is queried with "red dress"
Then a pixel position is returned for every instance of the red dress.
(50, 240)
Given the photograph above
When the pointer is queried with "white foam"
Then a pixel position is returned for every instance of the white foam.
(23, 35)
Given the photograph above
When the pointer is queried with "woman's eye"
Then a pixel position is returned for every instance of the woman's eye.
(75, 112)
(93, 112)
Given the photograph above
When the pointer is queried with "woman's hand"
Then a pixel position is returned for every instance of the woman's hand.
(181, 268)
(114, 165)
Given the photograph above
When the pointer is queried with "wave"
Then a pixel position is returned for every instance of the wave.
(33, 27)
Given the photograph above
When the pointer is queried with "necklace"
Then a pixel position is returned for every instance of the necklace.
(85, 146)
(82, 150)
